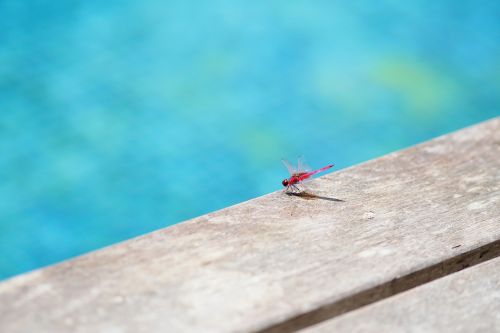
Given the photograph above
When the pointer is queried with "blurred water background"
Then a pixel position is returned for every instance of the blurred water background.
(121, 117)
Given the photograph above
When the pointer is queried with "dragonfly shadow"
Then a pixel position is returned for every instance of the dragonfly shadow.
(311, 196)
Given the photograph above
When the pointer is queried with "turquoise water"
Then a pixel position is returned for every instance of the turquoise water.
(121, 117)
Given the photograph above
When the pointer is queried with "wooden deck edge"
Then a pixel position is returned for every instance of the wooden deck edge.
(385, 290)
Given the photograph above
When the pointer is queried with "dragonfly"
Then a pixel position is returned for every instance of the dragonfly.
(299, 174)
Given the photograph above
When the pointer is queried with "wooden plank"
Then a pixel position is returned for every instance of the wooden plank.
(467, 301)
(279, 263)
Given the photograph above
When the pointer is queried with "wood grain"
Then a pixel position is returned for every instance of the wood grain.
(467, 301)
(280, 263)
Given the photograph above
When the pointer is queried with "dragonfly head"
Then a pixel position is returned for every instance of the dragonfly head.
(285, 182)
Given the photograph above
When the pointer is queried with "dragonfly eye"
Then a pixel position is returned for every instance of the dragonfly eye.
(285, 182)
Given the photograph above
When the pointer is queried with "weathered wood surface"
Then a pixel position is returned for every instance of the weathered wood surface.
(466, 301)
(279, 263)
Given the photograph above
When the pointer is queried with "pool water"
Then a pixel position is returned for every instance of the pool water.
(121, 117)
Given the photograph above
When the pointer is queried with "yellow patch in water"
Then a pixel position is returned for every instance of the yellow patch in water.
(425, 90)
(261, 144)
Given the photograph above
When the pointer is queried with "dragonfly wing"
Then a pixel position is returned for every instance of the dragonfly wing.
(302, 165)
(289, 167)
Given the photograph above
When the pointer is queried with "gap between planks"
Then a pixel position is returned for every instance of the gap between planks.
(388, 289)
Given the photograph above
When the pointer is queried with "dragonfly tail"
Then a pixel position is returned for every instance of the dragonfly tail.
(320, 170)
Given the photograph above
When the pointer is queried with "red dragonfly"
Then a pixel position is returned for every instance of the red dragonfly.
(299, 174)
